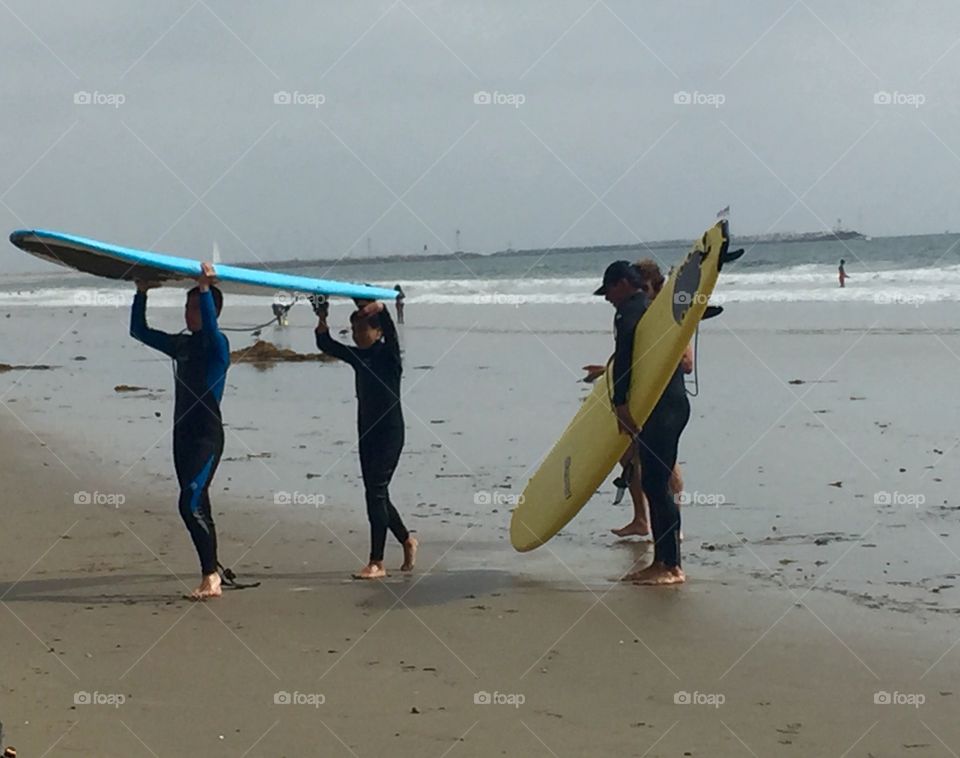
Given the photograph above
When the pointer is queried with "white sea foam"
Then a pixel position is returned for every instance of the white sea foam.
(803, 283)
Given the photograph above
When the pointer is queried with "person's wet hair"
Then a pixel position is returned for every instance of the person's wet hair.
(383, 321)
(372, 321)
(217, 296)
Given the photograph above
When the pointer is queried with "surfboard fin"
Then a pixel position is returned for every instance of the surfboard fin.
(728, 257)
(622, 483)
(621, 491)
(711, 311)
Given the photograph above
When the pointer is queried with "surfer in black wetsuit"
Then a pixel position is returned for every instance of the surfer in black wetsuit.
(376, 363)
(201, 358)
(651, 282)
(658, 440)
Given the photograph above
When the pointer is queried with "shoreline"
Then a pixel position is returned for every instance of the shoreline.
(291, 429)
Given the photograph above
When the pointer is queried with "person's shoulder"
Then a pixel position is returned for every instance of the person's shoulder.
(634, 305)
(222, 346)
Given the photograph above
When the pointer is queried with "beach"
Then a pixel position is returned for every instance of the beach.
(820, 547)
(494, 164)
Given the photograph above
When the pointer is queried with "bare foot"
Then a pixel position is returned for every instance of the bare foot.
(633, 529)
(658, 574)
(410, 553)
(209, 587)
(634, 576)
(373, 570)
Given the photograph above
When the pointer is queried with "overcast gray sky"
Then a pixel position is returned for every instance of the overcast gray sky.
(183, 142)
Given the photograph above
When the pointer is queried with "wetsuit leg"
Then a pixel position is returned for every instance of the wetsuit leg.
(379, 454)
(657, 445)
(196, 459)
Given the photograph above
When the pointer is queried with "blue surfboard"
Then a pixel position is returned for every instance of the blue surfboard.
(115, 262)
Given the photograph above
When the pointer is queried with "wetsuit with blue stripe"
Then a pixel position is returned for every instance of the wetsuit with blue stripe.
(201, 360)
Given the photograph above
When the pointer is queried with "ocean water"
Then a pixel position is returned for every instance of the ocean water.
(911, 270)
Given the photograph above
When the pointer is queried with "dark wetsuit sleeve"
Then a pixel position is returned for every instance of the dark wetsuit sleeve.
(165, 343)
(389, 330)
(623, 356)
(330, 346)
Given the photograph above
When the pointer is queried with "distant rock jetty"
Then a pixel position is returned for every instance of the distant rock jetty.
(600, 250)
(831, 236)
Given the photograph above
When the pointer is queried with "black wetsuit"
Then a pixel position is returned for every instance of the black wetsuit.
(201, 359)
(659, 438)
(380, 425)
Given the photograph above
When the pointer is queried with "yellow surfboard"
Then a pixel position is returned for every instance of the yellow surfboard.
(592, 444)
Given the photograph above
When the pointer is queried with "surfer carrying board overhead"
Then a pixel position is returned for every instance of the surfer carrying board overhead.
(201, 359)
(377, 366)
(657, 441)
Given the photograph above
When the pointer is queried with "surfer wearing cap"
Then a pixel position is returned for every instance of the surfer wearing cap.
(377, 366)
(656, 443)
(651, 282)
(201, 359)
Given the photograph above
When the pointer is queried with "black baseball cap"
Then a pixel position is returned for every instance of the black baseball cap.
(615, 272)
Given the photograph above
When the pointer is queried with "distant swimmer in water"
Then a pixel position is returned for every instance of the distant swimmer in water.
(377, 364)
(657, 441)
(400, 298)
(651, 282)
(842, 272)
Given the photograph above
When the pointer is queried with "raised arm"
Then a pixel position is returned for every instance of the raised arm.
(330, 346)
(214, 339)
(325, 342)
(389, 330)
(139, 330)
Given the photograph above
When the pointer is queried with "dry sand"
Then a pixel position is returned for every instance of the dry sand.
(93, 605)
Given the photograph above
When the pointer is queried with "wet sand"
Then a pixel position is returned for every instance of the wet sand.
(809, 593)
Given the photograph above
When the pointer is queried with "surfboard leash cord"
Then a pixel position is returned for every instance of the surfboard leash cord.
(229, 579)
(696, 364)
